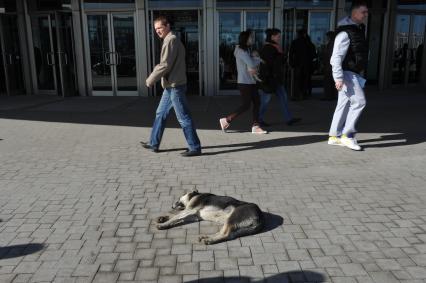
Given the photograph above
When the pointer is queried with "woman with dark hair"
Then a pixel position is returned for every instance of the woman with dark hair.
(273, 58)
(246, 68)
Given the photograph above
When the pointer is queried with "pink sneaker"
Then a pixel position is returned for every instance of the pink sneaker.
(224, 124)
(258, 130)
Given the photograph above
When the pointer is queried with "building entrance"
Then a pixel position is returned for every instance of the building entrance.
(111, 50)
(53, 54)
(317, 23)
(230, 24)
(408, 49)
(187, 26)
(10, 57)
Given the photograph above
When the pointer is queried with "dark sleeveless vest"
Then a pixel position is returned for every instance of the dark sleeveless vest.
(356, 58)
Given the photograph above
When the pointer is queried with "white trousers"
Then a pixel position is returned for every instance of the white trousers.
(350, 103)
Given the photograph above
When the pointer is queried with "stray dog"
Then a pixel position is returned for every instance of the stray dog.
(239, 218)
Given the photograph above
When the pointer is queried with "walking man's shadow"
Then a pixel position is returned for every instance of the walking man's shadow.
(394, 140)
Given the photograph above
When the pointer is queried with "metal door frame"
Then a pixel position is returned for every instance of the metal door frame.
(243, 23)
(111, 44)
(3, 48)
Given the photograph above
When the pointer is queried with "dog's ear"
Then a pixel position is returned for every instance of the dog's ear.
(192, 194)
(194, 190)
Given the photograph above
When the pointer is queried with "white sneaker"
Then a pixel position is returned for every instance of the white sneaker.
(258, 130)
(224, 124)
(350, 143)
(334, 141)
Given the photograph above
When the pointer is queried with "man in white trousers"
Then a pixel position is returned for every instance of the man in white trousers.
(349, 62)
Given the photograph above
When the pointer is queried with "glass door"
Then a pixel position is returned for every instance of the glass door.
(53, 51)
(44, 37)
(230, 24)
(111, 49)
(186, 26)
(408, 49)
(65, 54)
(11, 58)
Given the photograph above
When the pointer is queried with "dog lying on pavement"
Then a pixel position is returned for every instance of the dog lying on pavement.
(239, 218)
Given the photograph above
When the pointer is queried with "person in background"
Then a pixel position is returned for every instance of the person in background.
(246, 69)
(301, 55)
(273, 60)
(349, 63)
(330, 91)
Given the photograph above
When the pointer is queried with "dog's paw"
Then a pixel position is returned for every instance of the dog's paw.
(161, 227)
(162, 219)
(201, 238)
(207, 241)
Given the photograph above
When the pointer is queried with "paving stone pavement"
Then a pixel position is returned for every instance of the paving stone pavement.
(78, 194)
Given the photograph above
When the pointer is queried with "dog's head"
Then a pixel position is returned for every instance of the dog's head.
(184, 200)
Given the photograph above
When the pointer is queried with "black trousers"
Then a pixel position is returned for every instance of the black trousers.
(249, 95)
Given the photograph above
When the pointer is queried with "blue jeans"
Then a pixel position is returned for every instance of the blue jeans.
(282, 98)
(174, 97)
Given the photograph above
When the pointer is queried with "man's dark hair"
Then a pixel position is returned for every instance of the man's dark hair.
(164, 21)
(271, 32)
(243, 38)
(358, 3)
(301, 33)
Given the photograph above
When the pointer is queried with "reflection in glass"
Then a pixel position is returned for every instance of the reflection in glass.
(257, 22)
(308, 3)
(243, 3)
(2, 75)
(319, 25)
(174, 3)
(229, 30)
(66, 54)
(108, 4)
(124, 40)
(12, 54)
(401, 50)
(49, 5)
(100, 55)
(417, 36)
(43, 53)
(412, 4)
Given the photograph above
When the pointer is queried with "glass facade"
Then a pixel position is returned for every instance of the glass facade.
(7, 6)
(115, 47)
(109, 4)
(412, 4)
(49, 5)
(309, 4)
(243, 3)
(161, 4)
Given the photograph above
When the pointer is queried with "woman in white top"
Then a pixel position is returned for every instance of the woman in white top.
(246, 68)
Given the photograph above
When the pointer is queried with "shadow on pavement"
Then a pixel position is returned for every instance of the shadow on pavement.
(287, 277)
(19, 250)
(272, 221)
(237, 147)
(393, 140)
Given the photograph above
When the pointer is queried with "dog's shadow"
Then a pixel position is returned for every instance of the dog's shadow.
(272, 221)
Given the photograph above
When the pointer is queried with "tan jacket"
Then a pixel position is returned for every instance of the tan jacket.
(172, 68)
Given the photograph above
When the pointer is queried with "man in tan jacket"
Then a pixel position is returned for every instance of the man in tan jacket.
(172, 71)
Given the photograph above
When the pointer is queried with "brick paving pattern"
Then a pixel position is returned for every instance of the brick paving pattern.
(79, 195)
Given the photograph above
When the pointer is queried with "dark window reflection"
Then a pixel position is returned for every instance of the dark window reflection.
(8, 5)
(108, 4)
(412, 4)
(243, 3)
(308, 3)
(49, 5)
(175, 3)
